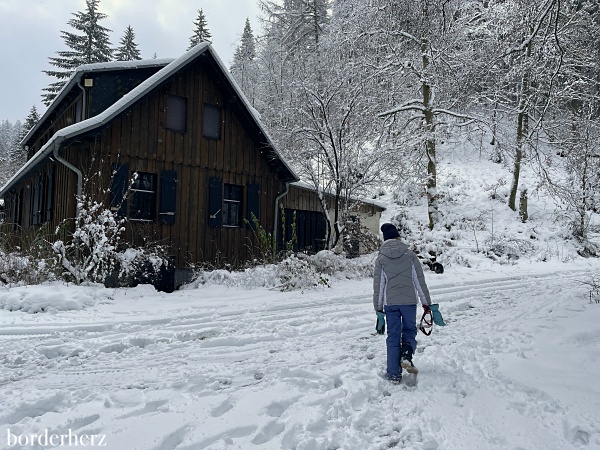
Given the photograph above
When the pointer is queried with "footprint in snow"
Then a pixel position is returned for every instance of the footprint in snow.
(268, 432)
(222, 408)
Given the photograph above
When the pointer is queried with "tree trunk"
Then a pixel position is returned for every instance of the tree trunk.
(523, 206)
(522, 127)
(432, 204)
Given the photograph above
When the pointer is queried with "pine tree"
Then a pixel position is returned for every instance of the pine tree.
(90, 47)
(30, 121)
(243, 68)
(201, 33)
(128, 50)
(17, 154)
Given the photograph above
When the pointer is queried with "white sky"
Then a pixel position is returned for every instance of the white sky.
(30, 32)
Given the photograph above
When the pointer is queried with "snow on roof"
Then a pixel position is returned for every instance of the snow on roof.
(308, 187)
(129, 99)
(95, 67)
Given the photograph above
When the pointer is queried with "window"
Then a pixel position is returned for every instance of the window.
(211, 122)
(142, 206)
(232, 201)
(176, 113)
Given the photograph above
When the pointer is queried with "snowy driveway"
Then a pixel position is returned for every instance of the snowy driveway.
(224, 368)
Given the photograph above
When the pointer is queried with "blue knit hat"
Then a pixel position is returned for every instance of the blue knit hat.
(389, 231)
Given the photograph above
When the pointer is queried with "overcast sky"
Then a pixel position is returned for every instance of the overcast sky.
(30, 32)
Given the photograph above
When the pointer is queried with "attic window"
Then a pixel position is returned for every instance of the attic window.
(176, 113)
(211, 122)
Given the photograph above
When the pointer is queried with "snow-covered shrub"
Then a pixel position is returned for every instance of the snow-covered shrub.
(95, 251)
(358, 239)
(29, 263)
(296, 272)
(506, 246)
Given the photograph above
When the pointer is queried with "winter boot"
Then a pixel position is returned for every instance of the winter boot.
(406, 359)
(395, 380)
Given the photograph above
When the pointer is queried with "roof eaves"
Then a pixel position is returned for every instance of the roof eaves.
(308, 187)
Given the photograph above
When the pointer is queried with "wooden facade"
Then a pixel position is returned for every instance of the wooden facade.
(170, 144)
(188, 175)
(303, 203)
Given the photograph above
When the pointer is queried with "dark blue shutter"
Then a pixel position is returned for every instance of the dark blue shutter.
(215, 202)
(49, 194)
(253, 203)
(118, 189)
(168, 196)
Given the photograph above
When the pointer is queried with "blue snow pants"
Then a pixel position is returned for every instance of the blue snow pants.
(402, 332)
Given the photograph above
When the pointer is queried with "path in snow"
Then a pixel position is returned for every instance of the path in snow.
(303, 371)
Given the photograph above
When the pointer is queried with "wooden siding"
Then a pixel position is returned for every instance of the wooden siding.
(305, 199)
(139, 138)
(62, 118)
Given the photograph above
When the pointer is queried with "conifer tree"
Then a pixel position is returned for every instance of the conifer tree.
(30, 121)
(128, 50)
(243, 68)
(92, 46)
(201, 32)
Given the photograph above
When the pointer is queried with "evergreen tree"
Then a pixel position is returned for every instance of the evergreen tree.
(92, 46)
(11, 154)
(5, 144)
(243, 68)
(128, 50)
(201, 32)
(17, 154)
(30, 121)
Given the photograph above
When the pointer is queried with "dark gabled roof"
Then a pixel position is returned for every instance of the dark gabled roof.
(86, 69)
(250, 117)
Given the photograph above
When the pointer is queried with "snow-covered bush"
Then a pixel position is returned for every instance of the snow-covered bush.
(29, 263)
(95, 251)
(297, 272)
(358, 239)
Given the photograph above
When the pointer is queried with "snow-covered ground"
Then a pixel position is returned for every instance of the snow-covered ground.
(215, 367)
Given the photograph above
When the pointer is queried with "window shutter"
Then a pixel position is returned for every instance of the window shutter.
(168, 196)
(49, 194)
(215, 202)
(253, 203)
(118, 189)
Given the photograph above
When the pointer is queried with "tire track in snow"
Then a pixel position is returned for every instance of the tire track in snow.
(285, 345)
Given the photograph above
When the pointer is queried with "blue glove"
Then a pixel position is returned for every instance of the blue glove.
(380, 325)
(437, 315)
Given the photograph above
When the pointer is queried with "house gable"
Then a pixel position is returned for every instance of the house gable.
(107, 82)
(185, 170)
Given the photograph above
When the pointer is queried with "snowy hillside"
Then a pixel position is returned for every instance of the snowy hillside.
(235, 364)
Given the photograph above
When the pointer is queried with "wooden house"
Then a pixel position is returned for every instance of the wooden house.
(173, 145)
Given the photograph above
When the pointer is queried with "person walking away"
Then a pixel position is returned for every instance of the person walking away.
(397, 282)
